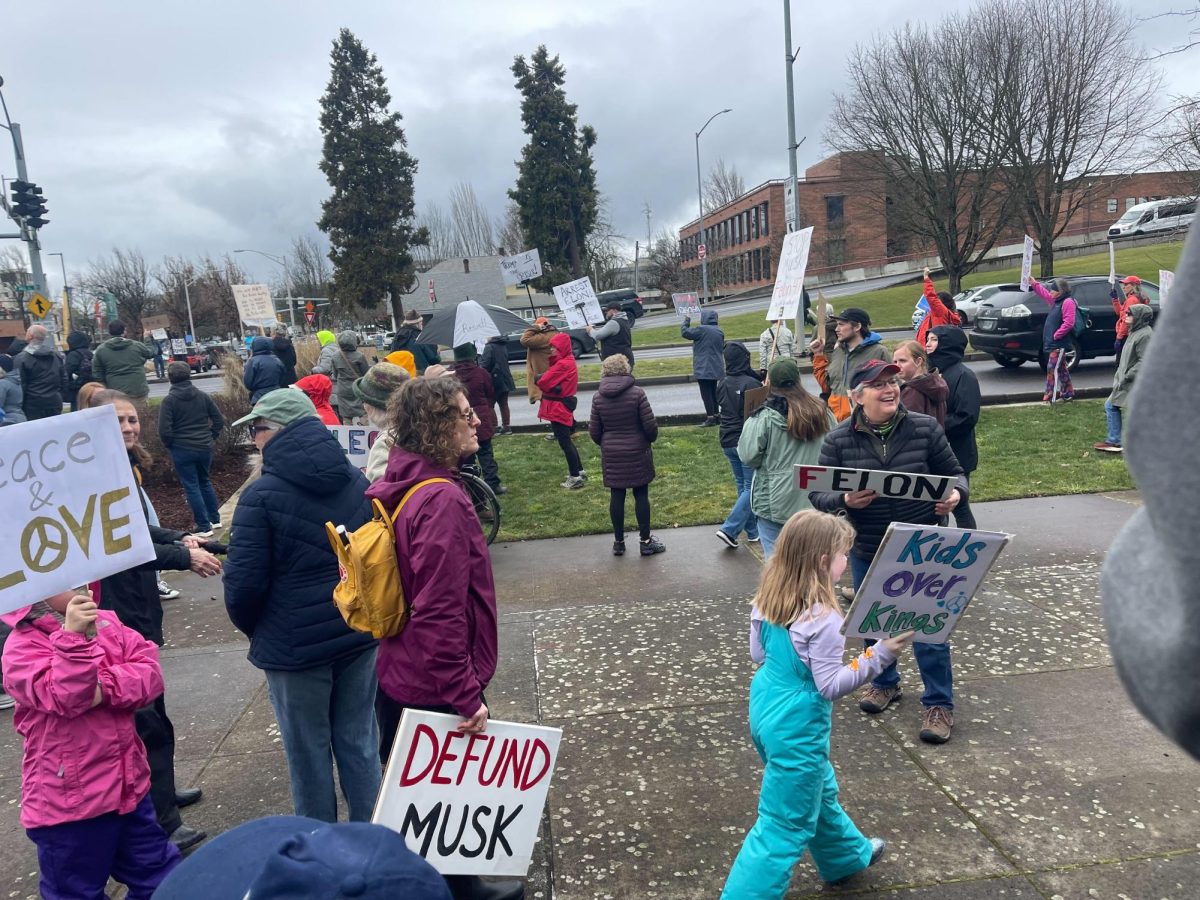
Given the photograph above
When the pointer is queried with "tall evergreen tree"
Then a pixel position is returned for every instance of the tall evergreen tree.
(369, 217)
(556, 183)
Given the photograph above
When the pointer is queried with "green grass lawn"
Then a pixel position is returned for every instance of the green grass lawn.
(675, 365)
(1025, 451)
(892, 307)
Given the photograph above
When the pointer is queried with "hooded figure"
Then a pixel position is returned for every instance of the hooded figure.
(739, 378)
(1151, 571)
(263, 371)
(41, 370)
(348, 366)
(78, 365)
(926, 394)
(559, 383)
(962, 404)
(286, 351)
(1133, 353)
(318, 389)
(329, 351)
(708, 363)
(10, 392)
(424, 355)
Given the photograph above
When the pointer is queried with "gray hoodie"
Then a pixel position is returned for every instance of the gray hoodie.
(10, 399)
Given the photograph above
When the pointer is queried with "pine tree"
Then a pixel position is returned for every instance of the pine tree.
(556, 184)
(369, 217)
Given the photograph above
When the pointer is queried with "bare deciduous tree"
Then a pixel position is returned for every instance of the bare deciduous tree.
(917, 117)
(309, 272)
(509, 238)
(1192, 14)
(1179, 143)
(125, 275)
(1073, 117)
(723, 185)
(664, 266)
(441, 235)
(604, 251)
(472, 224)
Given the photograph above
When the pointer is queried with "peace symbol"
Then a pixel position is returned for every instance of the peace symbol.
(39, 534)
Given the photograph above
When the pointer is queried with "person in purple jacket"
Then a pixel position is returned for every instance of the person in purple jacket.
(481, 394)
(1056, 338)
(445, 657)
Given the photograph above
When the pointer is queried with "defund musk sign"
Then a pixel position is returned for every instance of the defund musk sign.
(470, 804)
(72, 506)
(921, 580)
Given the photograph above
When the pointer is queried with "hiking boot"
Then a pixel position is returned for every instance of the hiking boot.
(877, 699)
(618, 548)
(1107, 447)
(725, 539)
(878, 846)
(650, 546)
(936, 725)
(583, 474)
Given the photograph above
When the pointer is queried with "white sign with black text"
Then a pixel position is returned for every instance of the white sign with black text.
(578, 303)
(789, 278)
(522, 267)
(896, 485)
(1026, 263)
(254, 304)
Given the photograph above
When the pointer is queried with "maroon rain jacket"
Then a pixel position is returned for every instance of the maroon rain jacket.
(446, 654)
(481, 394)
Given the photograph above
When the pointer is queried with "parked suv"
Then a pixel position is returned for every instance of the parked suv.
(631, 303)
(1009, 323)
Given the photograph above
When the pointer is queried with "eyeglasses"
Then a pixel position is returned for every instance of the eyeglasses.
(255, 430)
(470, 416)
(882, 385)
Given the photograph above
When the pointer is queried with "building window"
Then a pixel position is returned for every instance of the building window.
(766, 262)
(737, 229)
(835, 211)
(766, 221)
(757, 265)
(1130, 202)
(835, 251)
(754, 222)
(1112, 204)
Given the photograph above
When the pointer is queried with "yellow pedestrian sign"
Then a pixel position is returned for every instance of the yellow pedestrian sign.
(39, 306)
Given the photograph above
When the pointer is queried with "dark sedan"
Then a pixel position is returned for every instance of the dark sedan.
(1009, 323)
(581, 342)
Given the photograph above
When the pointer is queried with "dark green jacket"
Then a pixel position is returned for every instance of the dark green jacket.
(121, 365)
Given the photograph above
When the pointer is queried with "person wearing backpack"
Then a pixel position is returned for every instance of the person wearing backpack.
(445, 656)
(78, 366)
(1057, 334)
(279, 579)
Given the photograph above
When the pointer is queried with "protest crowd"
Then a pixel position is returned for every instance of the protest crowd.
(81, 666)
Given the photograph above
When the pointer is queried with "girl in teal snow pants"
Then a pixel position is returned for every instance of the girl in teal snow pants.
(794, 633)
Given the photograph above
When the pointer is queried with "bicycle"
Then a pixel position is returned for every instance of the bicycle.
(484, 499)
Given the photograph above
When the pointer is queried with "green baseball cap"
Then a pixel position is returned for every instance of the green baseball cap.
(283, 406)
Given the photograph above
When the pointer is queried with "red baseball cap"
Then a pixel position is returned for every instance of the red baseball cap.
(871, 370)
(1131, 279)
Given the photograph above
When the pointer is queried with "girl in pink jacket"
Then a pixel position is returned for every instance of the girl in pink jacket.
(77, 675)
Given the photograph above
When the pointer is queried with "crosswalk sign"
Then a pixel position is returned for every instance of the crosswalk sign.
(39, 305)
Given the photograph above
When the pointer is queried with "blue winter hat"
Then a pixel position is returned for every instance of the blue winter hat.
(293, 856)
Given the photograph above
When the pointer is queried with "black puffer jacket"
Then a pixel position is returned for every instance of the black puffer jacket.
(188, 418)
(738, 379)
(962, 406)
(624, 426)
(286, 351)
(916, 444)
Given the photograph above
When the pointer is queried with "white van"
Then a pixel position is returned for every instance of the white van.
(1157, 215)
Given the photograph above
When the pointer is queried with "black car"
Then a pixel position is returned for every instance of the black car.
(581, 342)
(631, 303)
(1009, 323)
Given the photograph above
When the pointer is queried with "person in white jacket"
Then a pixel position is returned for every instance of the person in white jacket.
(775, 342)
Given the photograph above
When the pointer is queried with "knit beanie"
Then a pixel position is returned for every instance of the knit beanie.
(380, 382)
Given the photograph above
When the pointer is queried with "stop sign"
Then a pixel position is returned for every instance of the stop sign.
(702, 251)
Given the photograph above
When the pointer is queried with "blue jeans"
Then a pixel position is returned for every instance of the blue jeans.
(768, 533)
(1113, 416)
(740, 518)
(933, 660)
(192, 468)
(323, 709)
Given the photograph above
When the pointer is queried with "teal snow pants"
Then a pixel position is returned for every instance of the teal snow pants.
(798, 806)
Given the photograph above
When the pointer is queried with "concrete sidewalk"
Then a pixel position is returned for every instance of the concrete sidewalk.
(1052, 786)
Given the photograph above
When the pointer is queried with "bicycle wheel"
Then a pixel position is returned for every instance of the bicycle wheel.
(487, 506)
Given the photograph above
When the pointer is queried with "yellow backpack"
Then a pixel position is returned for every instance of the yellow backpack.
(369, 594)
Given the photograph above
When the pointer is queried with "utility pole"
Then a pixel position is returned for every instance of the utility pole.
(793, 214)
(649, 240)
(28, 234)
(700, 200)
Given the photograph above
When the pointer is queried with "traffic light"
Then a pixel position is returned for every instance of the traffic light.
(29, 204)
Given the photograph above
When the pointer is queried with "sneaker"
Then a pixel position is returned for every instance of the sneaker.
(877, 699)
(708, 422)
(936, 725)
(6, 701)
(166, 592)
(551, 437)
(1107, 447)
(499, 490)
(618, 548)
(573, 482)
(878, 846)
(650, 546)
(203, 532)
(753, 540)
(725, 539)
(217, 523)
(583, 474)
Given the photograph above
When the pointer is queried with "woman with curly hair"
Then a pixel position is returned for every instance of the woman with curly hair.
(444, 658)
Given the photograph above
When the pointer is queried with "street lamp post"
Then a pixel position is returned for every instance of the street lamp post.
(66, 296)
(29, 235)
(280, 261)
(187, 298)
(700, 198)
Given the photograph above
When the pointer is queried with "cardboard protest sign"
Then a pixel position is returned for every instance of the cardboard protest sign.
(159, 334)
(356, 441)
(753, 398)
(897, 485)
(480, 795)
(1112, 264)
(1166, 280)
(72, 506)
(522, 267)
(921, 580)
(254, 304)
(1026, 263)
(687, 306)
(178, 347)
(578, 303)
(789, 278)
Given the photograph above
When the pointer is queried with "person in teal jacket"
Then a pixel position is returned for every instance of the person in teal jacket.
(795, 634)
(786, 431)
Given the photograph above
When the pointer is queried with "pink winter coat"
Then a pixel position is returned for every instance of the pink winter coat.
(80, 761)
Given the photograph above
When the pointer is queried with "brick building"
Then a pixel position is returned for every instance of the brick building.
(847, 204)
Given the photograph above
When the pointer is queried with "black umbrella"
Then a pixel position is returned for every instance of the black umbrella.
(469, 322)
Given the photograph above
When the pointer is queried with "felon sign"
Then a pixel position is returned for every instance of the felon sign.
(896, 485)
(470, 804)
(71, 504)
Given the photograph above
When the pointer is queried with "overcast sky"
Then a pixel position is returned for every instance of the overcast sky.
(192, 129)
